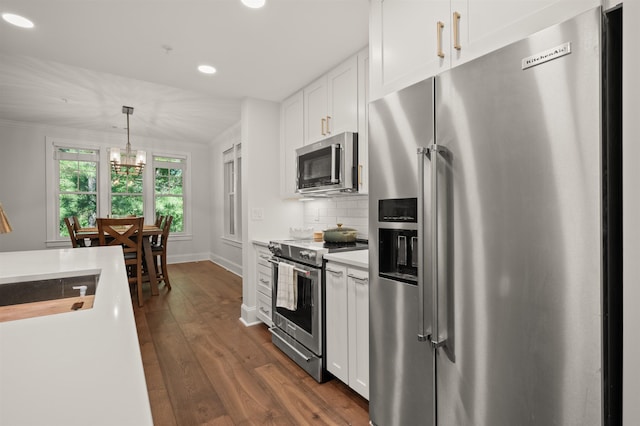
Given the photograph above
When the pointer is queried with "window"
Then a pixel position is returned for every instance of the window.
(127, 196)
(80, 182)
(76, 171)
(169, 183)
(233, 192)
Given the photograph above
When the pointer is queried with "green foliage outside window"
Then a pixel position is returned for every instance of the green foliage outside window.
(169, 195)
(77, 191)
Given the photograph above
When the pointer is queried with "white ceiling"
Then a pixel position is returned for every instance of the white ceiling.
(86, 58)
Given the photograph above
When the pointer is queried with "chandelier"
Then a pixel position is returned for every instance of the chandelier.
(128, 162)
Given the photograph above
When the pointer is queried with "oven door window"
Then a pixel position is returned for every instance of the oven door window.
(303, 315)
(318, 167)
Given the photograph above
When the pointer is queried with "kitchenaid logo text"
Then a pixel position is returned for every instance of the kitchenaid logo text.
(546, 56)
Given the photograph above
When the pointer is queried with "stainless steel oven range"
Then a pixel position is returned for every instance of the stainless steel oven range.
(299, 333)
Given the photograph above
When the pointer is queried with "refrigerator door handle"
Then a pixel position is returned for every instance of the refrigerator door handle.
(423, 335)
(436, 342)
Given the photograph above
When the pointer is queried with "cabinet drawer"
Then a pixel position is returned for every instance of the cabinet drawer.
(263, 256)
(263, 283)
(264, 308)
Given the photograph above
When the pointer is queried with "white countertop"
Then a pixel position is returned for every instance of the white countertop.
(75, 368)
(359, 258)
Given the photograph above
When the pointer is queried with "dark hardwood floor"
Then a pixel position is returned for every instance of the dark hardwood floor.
(204, 367)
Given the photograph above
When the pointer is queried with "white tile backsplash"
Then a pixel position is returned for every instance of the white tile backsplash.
(351, 211)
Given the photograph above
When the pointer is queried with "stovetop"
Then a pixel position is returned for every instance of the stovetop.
(310, 251)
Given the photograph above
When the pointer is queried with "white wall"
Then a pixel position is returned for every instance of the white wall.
(223, 252)
(261, 191)
(23, 194)
(631, 213)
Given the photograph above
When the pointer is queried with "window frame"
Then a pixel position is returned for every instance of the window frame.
(52, 167)
(233, 155)
(184, 165)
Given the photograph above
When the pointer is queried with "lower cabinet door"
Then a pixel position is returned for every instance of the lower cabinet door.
(336, 321)
(358, 312)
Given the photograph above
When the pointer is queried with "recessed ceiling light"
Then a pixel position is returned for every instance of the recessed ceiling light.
(254, 4)
(206, 69)
(17, 20)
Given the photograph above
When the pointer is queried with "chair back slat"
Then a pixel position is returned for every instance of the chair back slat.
(154, 238)
(123, 232)
(166, 229)
(72, 233)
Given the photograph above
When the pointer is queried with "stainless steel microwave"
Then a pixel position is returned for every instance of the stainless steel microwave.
(330, 165)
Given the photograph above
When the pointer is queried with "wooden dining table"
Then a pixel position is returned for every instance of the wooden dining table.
(147, 232)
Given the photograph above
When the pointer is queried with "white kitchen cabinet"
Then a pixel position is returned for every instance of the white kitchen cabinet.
(403, 37)
(411, 40)
(263, 283)
(337, 321)
(347, 298)
(291, 138)
(358, 320)
(487, 25)
(331, 103)
(336, 102)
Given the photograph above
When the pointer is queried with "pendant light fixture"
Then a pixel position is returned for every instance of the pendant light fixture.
(129, 162)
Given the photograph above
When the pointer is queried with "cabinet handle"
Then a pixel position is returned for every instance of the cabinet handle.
(328, 127)
(439, 27)
(456, 31)
(359, 175)
(333, 272)
(263, 281)
(322, 124)
(358, 279)
(264, 311)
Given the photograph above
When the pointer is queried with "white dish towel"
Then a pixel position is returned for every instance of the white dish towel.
(287, 296)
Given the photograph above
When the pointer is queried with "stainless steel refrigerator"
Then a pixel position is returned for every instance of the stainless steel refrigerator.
(493, 237)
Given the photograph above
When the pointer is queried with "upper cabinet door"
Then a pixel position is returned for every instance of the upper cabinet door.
(342, 113)
(410, 41)
(486, 25)
(415, 39)
(331, 102)
(291, 138)
(315, 110)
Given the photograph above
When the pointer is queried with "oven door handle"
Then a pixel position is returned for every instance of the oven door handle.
(306, 358)
(299, 270)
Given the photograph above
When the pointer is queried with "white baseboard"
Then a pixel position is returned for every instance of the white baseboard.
(184, 258)
(199, 257)
(226, 264)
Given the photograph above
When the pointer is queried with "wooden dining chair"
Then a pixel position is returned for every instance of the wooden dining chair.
(75, 241)
(126, 232)
(154, 238)
(159, 250)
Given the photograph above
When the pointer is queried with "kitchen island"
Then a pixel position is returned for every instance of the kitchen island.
(79, 367)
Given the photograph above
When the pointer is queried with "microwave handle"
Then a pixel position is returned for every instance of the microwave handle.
(335, 155)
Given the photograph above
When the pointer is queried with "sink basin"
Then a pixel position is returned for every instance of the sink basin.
(47, 296)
